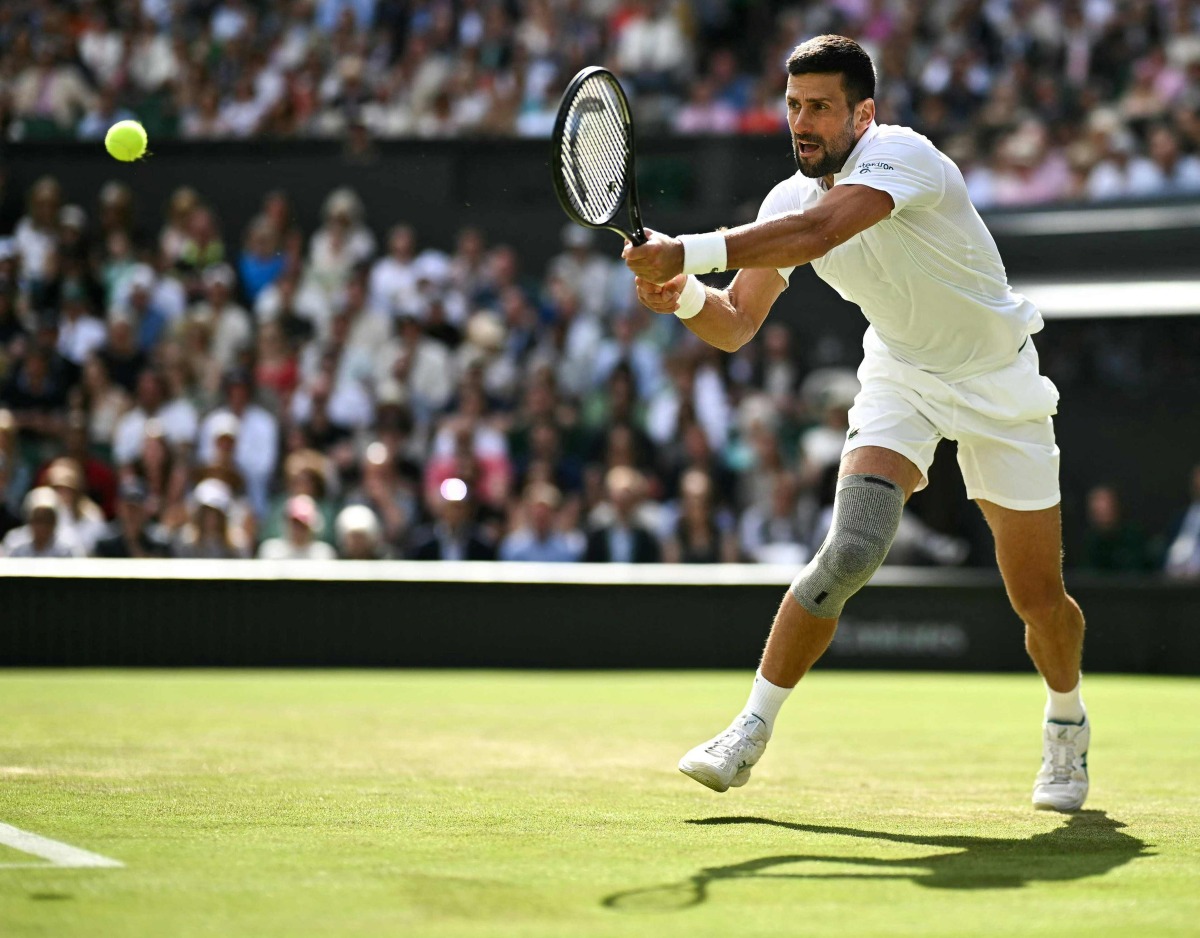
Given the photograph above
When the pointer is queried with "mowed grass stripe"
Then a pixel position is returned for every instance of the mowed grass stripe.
(547, 804)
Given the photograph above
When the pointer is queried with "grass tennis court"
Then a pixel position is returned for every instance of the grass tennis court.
(495, 804)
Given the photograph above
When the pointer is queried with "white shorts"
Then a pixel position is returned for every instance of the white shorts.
(1001, 420)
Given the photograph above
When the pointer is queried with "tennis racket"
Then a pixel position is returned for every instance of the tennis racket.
(592, 158)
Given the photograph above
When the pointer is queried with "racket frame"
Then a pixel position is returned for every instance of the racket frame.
(635, 234)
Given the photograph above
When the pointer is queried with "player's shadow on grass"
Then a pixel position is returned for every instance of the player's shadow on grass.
(1089, 844)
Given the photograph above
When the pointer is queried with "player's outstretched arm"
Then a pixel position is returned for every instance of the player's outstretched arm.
(788, 240)
(728, 318)
(799, 237)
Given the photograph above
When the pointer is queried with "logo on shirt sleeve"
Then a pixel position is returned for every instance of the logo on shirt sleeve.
(864, 168)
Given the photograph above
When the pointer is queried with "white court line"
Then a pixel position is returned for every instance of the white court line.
(58, 853)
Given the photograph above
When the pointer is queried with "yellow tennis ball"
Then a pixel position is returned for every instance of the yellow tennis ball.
(126, 140)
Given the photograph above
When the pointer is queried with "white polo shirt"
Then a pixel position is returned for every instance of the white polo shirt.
(928, 277)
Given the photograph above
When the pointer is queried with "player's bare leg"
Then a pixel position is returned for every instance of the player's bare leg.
(798, 638)
(1029, 553)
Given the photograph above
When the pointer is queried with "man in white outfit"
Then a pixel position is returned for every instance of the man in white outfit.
(884, 217)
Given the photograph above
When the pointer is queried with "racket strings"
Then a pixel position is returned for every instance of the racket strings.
(594, 152)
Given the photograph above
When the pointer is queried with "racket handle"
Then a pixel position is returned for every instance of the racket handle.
(638, 237)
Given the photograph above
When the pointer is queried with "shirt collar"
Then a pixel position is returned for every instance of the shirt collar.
(848, 166)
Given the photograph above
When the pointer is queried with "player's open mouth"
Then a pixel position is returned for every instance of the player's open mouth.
(807, 149)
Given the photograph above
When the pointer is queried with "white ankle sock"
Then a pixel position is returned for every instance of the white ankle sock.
(766, 699)
(1066, 707)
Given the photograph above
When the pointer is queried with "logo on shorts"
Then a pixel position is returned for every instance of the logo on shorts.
(852, 434)
(878, 164)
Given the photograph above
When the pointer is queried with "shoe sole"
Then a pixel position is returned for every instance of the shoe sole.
(1061, 808)
(704, 775)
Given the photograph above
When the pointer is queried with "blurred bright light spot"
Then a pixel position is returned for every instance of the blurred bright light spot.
(454, 490)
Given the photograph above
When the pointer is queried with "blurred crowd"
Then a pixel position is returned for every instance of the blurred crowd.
(172, 391)
(1037, 100)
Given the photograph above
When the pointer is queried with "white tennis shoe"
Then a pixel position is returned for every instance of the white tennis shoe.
(1062, 782)
(725, 761)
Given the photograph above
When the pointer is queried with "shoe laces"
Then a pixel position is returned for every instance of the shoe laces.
(729, 742)
(1062, 761)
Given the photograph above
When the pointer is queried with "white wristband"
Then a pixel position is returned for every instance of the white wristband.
(704, 253)
(691, 299)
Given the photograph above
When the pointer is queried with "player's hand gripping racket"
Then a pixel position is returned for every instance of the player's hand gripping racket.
(592, 159)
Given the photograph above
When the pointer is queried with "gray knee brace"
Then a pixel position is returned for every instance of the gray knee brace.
(866, 514)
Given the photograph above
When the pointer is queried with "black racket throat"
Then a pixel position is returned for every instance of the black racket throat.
(592, 156)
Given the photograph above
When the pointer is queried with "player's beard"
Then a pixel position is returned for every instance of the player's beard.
(835, 152)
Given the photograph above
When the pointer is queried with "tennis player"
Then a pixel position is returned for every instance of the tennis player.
(884, 217)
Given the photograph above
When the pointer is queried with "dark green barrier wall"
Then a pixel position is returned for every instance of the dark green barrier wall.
(963, 624)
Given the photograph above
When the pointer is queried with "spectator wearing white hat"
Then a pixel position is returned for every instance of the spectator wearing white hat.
(40, 536)
(301, 539)
(209, 534)
(257, 449)
(359, 534)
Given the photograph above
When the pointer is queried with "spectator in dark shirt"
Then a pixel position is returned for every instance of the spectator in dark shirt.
(8, 518)
(454, 535)
(131, 535)
(623, 539)
(1111, 543)
(121, 354)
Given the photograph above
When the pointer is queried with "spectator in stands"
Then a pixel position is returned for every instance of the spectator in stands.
(261, 262)
(50, 94)
(177, 418)
(538, 537)
(209, 533)
(622, 538)
(304, 528)
(454, 533)
(587, 272)
(228, 321)
(79, 332)
(276, 372)
(36, 396)
(203, 246)
(391, 498)
(1183, 554)
(102, 113)
(651, 46)
(97, 478)
(1112, 543)
(701, 534)
(341, 244)
(257, 437)
(421, 364)
(104, 402)
(36, 234)
(132, 534)
(8, 518)
(166, 472)
(393, 279)
(359, 536)
(175, 234)
(704, 112)
(122, 356)
(779, 532)
(302, 310)
(1165, 171)
(39, 536)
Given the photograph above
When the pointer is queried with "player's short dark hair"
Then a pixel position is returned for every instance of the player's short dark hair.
(836, 54)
